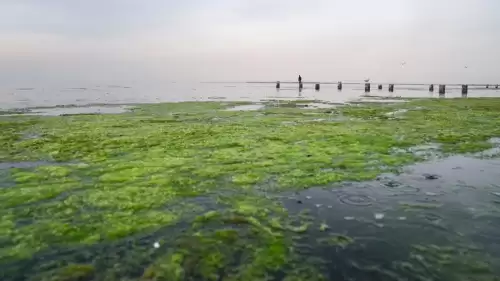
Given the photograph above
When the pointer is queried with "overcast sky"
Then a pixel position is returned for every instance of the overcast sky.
(42, 41)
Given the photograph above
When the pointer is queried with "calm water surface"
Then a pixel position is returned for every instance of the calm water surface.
(452, 202)
(175, 92)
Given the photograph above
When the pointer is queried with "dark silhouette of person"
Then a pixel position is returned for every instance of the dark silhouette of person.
(300, 79)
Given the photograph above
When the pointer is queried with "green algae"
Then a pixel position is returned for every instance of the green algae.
(208, 216)
(324, 227)
(114, 176)
(86, 229)
(264, 216)
(20, 196)
(12, 129)
(432, 262)
(453, 263)
(415, 206)
(337, 240)
(253, 238)
(71, 272)
(299, 229)
(209, 255)
(166, 268)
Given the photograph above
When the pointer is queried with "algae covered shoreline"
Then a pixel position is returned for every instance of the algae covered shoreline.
(192, 191)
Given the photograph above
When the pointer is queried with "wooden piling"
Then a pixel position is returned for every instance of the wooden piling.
(278, 85)
(301, 85)
(496, 87)
(442, 90)
(465, 90)
(339, 86)
(380, 87)
(367, 87)
(431, 88)
(487, 86)
(316, 87)
(391, 88)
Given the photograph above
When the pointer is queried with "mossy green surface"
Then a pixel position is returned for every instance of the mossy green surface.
(453, 263)
(72, 272)
(337, 240)
(208, 177)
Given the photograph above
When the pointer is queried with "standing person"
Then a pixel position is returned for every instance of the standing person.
(300, 79)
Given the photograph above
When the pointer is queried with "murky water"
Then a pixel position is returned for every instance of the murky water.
(249, 107)
(173, 92)
(61, 111)
(451, 202)
(315, 105)
(22, 165)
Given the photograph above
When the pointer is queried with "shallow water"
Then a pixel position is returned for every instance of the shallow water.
(248, 107)
(22, 165)
(174, 92)
(315, 105)
(59, 111)
(374, 100)
(449, 202)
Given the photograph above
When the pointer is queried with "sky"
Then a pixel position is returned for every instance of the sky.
(115, 41)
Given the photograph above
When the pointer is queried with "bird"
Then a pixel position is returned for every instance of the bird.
(367, 80)
(403, 63)
(466, 66)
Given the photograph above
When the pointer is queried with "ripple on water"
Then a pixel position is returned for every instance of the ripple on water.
(399, 187)
(356, 199)
(432, 217)
(433, 212)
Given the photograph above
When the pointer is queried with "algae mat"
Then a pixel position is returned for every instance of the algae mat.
(191, 191)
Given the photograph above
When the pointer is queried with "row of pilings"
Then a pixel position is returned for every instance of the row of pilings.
(441, 88)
